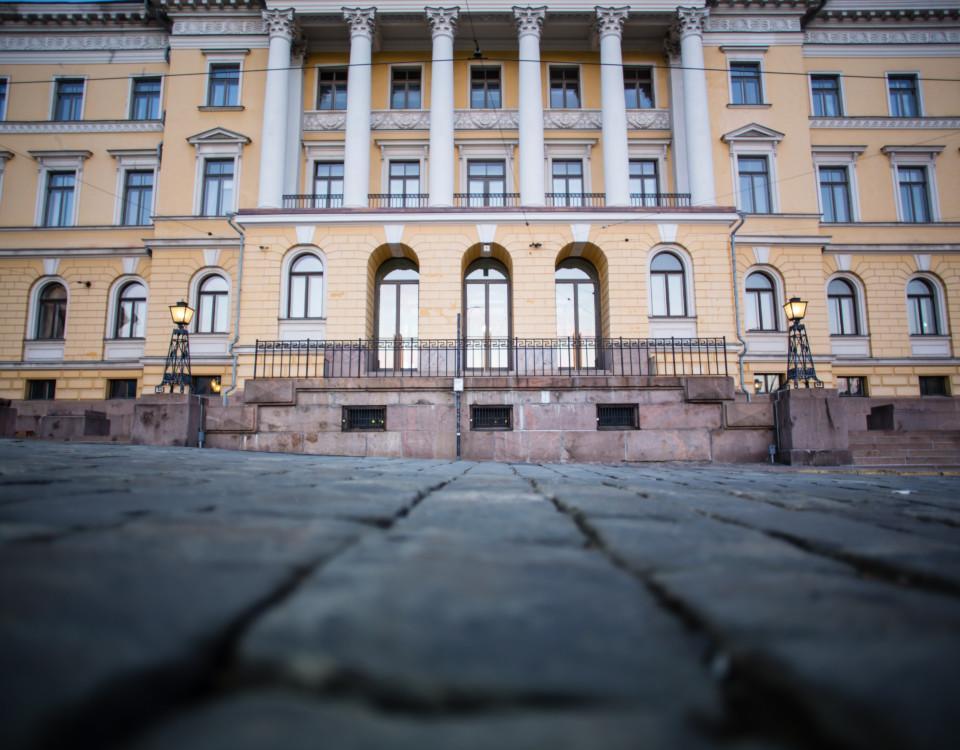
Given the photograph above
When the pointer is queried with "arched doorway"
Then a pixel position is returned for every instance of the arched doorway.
(578, 313)
(487, 304)
(397, 314)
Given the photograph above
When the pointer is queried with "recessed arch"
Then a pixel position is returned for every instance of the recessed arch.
(757, 319)
(211, 298)
(122, 286)
(487, 313)
(926, 317)
(594, 255)
(314, 281)
(37, 306)
(376, 259)
(839, 310)
(670, 288)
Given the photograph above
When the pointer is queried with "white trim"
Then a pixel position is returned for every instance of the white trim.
(293, 253)
(113, 297)
(915, 156)
(58, 161)
(34, 301)
(216, 149)
(688, 281)
(860, 304)
(53, 96)
(320, 152)
(133, 79)
(752, 54)
(503, 84)
(650, 151)
(423, 88)
(402, 150)
(316, 85)
(569, 150)
(653, 84)
(779, 296)
(485, 150)
(129, 160)
(917, 75)
(940, 292)
(579, 68)
(6, 98)
(219, 57)
(194, 299)
(841, 90)
(5, 156)
(845, 157)
(755, 150)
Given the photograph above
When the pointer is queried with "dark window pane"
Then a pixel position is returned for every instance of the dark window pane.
(835, 194)
(754, 180)
(122, 388)
(485, 90)
(332, 88)
(217, 187)
(145, 101)
(826, 95)
(68, 99)
(745, 83)
(933, 385)
(638, 87)
(41, 390)
(564, 87)
(224, 85)
(405, 88)
(904, 95)
(137, 197)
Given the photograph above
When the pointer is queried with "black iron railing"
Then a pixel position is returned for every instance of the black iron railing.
(313, 200)
(576, 200)
(660, 200)
(370, 358)
(486, 200)
(387, 200)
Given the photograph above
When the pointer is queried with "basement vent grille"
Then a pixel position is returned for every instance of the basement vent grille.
(491, 417)
(364, 418)
(617, 417)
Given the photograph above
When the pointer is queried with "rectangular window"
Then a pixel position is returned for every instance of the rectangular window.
(754, 178)
(363, 418)
(745, 85)
(914, 194)
(122, 388)
(644, 182)
(638, 87)
(486, 183)
(332, 88)
(405, 88)
(567, 182)
(835, 194)
(217, 187)
(137, 197)
(618, 417)
(826, 95)
(852, 385)
(3, 98)
(494, 418)
(145, 99)
(564, 87)
(404, 184)
(933, 385)
(328, 184)
(58, 201)
(205, 385)
(223, 87)
(485, 87)
(41, 390)
(904, 92)
(766, 382)
(68, 99)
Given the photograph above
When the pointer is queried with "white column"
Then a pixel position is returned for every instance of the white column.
(443, 24)
(681, 175)
(356, 161)
(613, 113)
(696, 112)
(529, 26)
(273, 141)
(291, 168)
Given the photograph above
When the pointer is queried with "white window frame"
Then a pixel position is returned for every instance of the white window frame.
(5, 156)
(653, 85)
(579, 67)
(123, 348)
(915, 156)
(423, 87)
(320, 152)
(194, 298)
(756, 151)
(681, 326)
(752, 54)
(941, 301)
(316, 84)
(569, 150)
(133, 80)
(133, 160)
(486, 150)
(58, 161)
(503, 85)
(215, 57)
(6, 100)
(406, 150)
(53, 96)
(886, 92)
(774, 275)
(228, 148)
(840, 88)
(34, 303)
(650, 150)
(860, 292)
(291, 255)
(840, 156)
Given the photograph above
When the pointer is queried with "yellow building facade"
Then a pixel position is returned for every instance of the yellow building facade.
(305, 170)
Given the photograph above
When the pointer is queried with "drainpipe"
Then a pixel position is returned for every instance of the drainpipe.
(236, 319)
(736, 300)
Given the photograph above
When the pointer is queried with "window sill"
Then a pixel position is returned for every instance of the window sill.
(759, 105)
(43, 350)
(229, 108)
(929, 345)
(123, 349)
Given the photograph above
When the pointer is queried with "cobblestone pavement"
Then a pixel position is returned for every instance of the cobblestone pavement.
(172, 598)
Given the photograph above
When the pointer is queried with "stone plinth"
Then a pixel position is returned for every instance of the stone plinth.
(8, 418)
(71, 426)
(812, 427)
(166, 419)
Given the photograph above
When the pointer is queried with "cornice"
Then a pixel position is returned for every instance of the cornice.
(86, 42)
(82, 126)
(882, 36)
(763, 24)
(886, 123)
(887, 14)
(75, 14)
(218, 27)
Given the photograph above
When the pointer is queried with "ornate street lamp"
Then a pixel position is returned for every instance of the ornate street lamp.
(176, 370)
(799, 358)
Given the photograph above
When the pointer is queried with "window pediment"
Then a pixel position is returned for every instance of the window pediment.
(218, 136)
(753, 133)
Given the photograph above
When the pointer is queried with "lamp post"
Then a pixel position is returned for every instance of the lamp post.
(799, 358)
(176, 370)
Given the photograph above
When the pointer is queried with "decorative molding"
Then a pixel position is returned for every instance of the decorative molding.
(886, 123)
(50, 266)
(529, 20)
(279, 23)
(443, 21)
(761, 254)
(209, 27)
(129, 264)
(218, 135)
(211, 256)
(668, 232)
(897, 249)
(486, 119)
(754, 24)
(572, 119)
(400, 119)
(843, 261)
(923, 261)
(305, 233)
(362, 21)
(610, 21)
(691, 21)
(648, 119)
(325, 120)
(83, 126)
(82, 42)
(877, 36)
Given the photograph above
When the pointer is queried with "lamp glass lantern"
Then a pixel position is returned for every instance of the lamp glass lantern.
(181, 313)
(795, 309)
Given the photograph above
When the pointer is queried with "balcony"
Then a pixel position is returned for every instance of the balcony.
(484, 201)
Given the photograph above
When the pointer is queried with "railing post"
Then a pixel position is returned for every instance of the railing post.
(673, 354)
(256, 351)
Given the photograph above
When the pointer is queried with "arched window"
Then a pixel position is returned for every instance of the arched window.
(52, 311)
(577, 313)
(922, 308)
(305, 293)
(486, 301)
(398, 313)
(761, 303)
(842, 304)
(668, 287)
(131, 311)
(213, 305)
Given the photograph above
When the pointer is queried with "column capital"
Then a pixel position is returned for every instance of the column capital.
(279, 23)
(610, 21)
(529, 19)
(671, 46)
(443, 21)
(690, 21)
(361, 21)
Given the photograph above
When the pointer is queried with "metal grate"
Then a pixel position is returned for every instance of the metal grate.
(491, 417)
(363, 418)
(617, 417)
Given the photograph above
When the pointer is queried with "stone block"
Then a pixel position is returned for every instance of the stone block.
(8, 420)
(556, 416)
(72, 426)
(741, 445)
(680, 416)
(607, 446)
(277, 442)
(237, 418)
(813, 427)
(667, 445)
(269, 391)
(740, 414)
(166, 419)
(709, 388)
(300, 418)
(429, 444)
